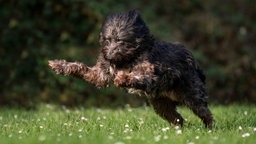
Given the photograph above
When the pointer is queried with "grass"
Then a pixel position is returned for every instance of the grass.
(52, 124)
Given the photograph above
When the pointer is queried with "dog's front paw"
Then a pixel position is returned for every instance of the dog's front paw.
(58, 65)
(68, 68)
(122, 80)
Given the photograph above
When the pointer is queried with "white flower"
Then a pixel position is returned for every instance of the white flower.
(165, 129)
(240, 128)
(143, 138)
(119, 142)
(126, 125)
(80, 136)
(177, 127)
(246, 135)
(254, 129)
(41, 127)
(141, 122)
(101, 125)
(245, 112)
(80, 130)
(42, 138)
(20, 131)
(126, 130)
(179, 131)
(84, 118)
(165, 137)
(110, 137)
(197, 137)
(157, 138)
(128, 137)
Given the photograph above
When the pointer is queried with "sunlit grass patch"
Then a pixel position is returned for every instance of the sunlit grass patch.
(52, 124)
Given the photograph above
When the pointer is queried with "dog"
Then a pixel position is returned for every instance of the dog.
(131, 58)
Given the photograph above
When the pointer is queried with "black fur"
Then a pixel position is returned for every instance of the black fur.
(166, 73)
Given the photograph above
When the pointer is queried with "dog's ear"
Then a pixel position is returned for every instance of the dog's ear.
(137, 22)
(135, 17)
(134, 13)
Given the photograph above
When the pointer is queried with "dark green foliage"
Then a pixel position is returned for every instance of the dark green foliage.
(222, 37)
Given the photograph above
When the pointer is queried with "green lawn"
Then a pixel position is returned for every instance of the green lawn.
(51, 124)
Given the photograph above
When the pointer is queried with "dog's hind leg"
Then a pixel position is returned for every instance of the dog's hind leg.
(166, 108)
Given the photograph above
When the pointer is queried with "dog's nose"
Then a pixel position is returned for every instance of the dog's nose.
(111, 53)
(112, 46)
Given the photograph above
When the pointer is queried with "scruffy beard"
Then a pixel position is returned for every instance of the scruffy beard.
(120, 54)
(123, 37)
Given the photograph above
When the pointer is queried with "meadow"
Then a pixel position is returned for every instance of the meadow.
(235, 124)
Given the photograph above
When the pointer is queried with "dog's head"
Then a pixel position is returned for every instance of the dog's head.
(122, 36)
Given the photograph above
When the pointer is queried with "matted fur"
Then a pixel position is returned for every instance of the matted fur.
(166, 73)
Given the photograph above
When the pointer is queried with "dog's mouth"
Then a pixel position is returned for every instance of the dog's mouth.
(113, 69)
(114, 58)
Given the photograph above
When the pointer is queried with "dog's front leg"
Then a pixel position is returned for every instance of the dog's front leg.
(134, 80)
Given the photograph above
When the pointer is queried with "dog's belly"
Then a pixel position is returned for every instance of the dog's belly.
(169, 94)
(136, 91)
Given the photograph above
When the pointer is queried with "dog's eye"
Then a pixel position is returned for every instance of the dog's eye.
(128, 40)
(107, 42)
(120, 42)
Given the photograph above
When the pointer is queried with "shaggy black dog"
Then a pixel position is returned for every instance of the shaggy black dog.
(130, 57)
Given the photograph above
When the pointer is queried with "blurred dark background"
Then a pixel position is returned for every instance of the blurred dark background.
(221, 34)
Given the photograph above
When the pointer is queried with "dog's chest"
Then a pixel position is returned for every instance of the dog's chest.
(114, 71)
